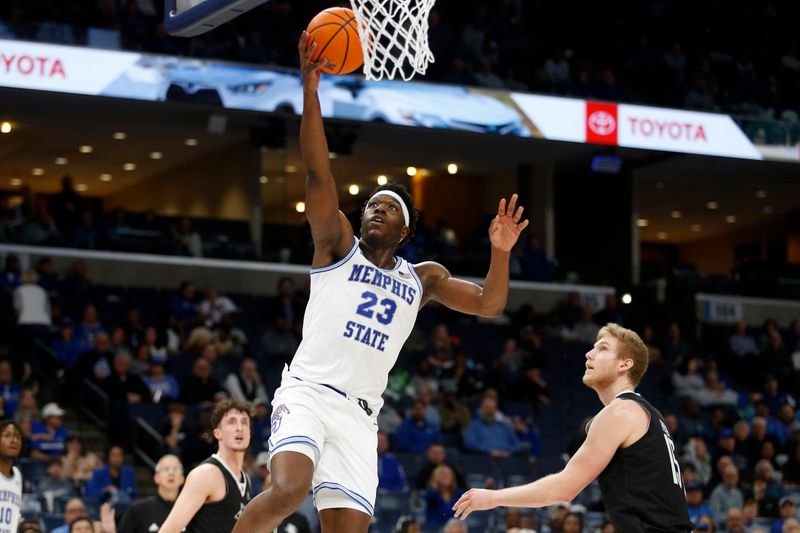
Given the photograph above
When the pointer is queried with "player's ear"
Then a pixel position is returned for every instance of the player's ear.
(217, 433)
(626, 364)
(404, 233)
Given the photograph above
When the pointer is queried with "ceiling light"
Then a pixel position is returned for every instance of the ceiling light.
(129, 167)
(712, 205)
(627, 298)
(263, 179)
(105, 177)
(61, 161)
(642, 222)
(16, 182)
(382, 180)
(81, 187)
(37, 171)
(5, 127)
(86, 149)
(676, 214)
(767, 210)
(354, 189)
(452, 169)
(300, 207)
(730, 219)
(696, 227)
(662, 235)
(761, 194)
(190, 142)
(411, 171)
(119, 136)
(156, 155)
(290, 169)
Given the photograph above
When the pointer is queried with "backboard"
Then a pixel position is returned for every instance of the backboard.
(187, 18)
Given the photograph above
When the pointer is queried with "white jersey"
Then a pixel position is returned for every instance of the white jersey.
(357, 320)
(10, 500)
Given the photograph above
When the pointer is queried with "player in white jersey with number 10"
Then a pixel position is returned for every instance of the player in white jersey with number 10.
(10, 476)
(364, 301)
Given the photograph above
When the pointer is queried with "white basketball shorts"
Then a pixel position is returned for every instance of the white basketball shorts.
(336, 434)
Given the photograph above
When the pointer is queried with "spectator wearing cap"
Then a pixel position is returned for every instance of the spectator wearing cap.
(390, 473)
(147, 515)
(115, 478)
(246, 384)
(727, 494)
(163, 387)
(48, 436)
(73, 510)
(694, 502)
(786, 510)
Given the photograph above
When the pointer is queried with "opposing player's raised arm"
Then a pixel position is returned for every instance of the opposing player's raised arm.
(330, 229)
(195, 492)
(608, 431)
(467, 297)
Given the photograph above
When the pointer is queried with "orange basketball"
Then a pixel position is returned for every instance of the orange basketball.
(336, 34)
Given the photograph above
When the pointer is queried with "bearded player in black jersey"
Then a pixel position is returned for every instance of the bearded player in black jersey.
(627, 447)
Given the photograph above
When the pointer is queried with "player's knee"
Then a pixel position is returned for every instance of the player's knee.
(288, 492)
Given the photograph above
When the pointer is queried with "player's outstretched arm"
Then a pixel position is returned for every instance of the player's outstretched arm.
(195, 492)
(332, 234)
(608, 431)
(467, 297)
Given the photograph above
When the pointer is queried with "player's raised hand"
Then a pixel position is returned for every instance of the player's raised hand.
(474, 500)
(309, 68)
(506, 226)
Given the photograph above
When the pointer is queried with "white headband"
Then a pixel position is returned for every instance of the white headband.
(400, 201)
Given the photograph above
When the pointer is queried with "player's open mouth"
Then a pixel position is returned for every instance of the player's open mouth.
(377, 219)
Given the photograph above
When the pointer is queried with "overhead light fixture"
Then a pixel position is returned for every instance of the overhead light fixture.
(767, 209)
(452, 169)
(156, 155)
(129, 167)
(662, 235)
(290, 169)
(626, 298)
(300, 207)
(105, 177)
(411, 171)
(712, 205)
(761, 194)
(332, 155)
(81, 187)
(263, 179)
(730, 219)
(191, 142)
(382, 180)
(642, 222)
(37, 171)
(5, 127)
(15, 182)
(354, 189)
(696, 227)
(119, 136)
(61, 161)
(86, 149)
(676, 214)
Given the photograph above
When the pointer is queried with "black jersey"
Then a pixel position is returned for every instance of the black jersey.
(145, 516)
(221, 516)
(642, 486)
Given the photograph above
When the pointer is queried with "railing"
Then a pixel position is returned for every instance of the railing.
(148, 444)
(94, 404)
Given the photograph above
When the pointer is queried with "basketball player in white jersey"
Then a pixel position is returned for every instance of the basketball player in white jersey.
(10, 476)
(363, 305)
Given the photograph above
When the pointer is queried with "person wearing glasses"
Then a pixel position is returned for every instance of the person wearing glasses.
(147, 515)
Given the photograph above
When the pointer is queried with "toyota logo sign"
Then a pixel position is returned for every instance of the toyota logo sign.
(602, 123)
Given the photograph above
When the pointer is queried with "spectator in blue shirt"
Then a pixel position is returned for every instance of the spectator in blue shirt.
(91, 325)
(115, 478)
(68, 347)
(48, 437)
(163, 386)
(787, 510)
(488, 435)
(183, 305)
(9, 390)
(694, 502)
(390, 473)
(416, 434)
(440, 496)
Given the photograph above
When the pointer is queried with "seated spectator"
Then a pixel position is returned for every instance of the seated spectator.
(674, 348)
(786, 510)
(742, 344)
(73, 510)
(90, 326)
(55, 484)
(697, 455)
(437, 455)
(694, 502)
(183, 304)
(187, 240)
(584, 330)
(163, 387)
(246, 384)
(82, 525)
(513, 356)
(79, 463)
(766, 491)
(416, 434)
(115, 478)
(121, 386)
(425, 395)
(688, 378)
(68, 347)
(715, 392)
(573, 523)
(173, 429)
(390, 473)
(453, 413)
(95, 364)
(727, 494)
(10, 390)
(214, 306)
(156, 349)
(488, 435)
(48, 436)
(440, 496)
(758, 435)
(200, 387)
(28, 408)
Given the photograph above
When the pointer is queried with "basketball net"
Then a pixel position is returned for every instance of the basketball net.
(394, 37)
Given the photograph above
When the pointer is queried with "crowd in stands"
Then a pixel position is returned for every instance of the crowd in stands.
(737, 57)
